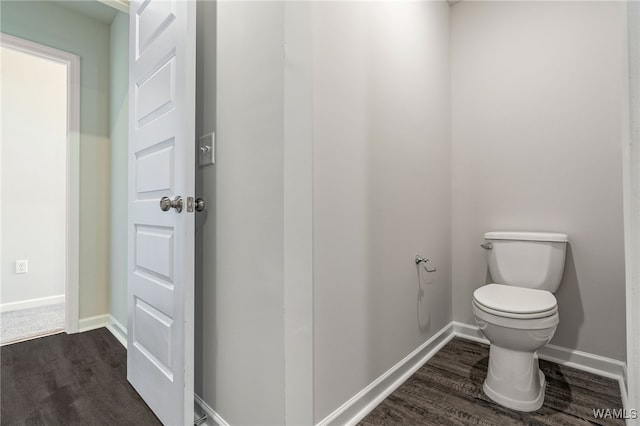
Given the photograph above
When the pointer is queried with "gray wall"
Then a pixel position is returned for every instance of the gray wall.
(381, 192)
(53, 25)
(524, 103)
(254, 244)
(119, 130)
(536, 136)
(242, 263)
(381, 167)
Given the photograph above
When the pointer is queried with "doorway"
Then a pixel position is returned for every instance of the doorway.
(39, 196)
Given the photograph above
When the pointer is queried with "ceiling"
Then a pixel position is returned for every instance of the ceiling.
(91, 8)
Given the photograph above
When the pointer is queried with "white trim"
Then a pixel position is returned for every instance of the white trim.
(591, 363)
(361, 404)
(120, 332)
(121, 5)
(72, 231)
(469, 332)
(91, 323)
(73, 199)
(26, 339)
(596, 364)
(32, 303)
(213, 418)
(108, 321)
(117, 329)
(631, 197)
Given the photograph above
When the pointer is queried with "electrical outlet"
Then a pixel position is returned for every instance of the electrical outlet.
(22, 266)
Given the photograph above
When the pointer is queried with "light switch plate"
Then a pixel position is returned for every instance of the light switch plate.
(206, 149)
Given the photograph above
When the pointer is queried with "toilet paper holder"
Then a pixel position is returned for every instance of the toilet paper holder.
(419, 259)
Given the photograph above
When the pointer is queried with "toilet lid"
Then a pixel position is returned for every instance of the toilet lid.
(517, 300)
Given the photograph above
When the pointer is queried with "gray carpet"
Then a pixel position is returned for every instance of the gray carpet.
(24, 324)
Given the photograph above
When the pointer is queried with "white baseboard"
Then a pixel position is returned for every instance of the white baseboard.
(213, 418)
(361, 404)
(468, 332)
(595, 364)
(91, 323)
(32, 303)
(591, 363)
(201, 408)
(355, 409)
(117, 329)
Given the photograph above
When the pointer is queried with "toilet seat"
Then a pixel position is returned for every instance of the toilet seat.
(515, 302)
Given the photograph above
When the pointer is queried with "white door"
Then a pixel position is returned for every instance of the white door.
(161, 243)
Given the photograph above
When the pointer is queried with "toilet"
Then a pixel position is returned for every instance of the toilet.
(518, 312)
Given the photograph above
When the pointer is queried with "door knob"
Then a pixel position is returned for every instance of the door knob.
(200, 205)
(166, 203)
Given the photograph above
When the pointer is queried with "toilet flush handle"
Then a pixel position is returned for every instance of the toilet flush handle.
(487, 246)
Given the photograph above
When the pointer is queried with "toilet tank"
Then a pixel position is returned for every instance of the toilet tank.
(527, 259)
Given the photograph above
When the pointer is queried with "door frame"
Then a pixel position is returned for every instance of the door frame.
(631, 187)
(72, 231)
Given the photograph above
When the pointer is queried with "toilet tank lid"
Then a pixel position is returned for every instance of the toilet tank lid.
(527, 236)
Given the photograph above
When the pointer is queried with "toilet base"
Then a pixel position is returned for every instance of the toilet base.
(514, 379)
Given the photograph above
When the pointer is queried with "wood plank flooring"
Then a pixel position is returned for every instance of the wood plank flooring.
(80, 379)
(447, 390)
(77, 379)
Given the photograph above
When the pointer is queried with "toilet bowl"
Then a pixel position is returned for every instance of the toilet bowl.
(518, 313)
(514, 379)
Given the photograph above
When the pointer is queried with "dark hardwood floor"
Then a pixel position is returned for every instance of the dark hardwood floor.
(447, 390)
(80, 379)
(65, 380)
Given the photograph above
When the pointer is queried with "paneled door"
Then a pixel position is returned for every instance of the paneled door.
(161, 219)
